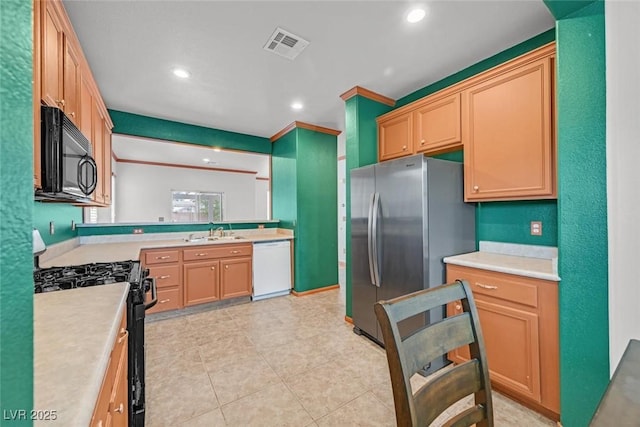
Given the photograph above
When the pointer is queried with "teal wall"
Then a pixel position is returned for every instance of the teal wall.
(97, 230)
(511, 222)
(150, 127)
(61, 214)
(304, 193)
(582, 213)
(284, 183)
(317, 229)
(16, 206)
(361, 150)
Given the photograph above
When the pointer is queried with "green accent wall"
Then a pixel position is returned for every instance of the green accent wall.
(16, 206)
(61, 214)
(151, 127)
(105, 230)
(510, 222)
(582, 213)
(361, 150)
(304, 193)
(562, 8)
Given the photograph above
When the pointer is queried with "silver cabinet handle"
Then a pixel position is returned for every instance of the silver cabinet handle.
(458, 307)
(476, 188)
(164, 301)
(202, 254)
(235, 252)
(483, 286)
(226, 267)
(164, 277)
(213, 268)
(120, 408)
(163, 257)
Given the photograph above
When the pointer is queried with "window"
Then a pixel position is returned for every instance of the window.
(193, 206)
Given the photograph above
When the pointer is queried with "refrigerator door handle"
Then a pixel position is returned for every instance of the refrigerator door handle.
(374, 232)
(370, 239)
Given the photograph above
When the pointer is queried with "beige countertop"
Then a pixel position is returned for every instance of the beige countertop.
(74, 331)
(122, 251)
(540, 268)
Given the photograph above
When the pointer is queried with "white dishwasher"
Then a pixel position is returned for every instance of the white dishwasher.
(271, 269)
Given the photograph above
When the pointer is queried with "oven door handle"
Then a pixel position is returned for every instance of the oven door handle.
(154, 294)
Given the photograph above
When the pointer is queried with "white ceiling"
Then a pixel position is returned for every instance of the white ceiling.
(127, 147)
(133, 45)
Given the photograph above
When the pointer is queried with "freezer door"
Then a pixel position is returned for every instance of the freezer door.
(400, 230)
(362, 280)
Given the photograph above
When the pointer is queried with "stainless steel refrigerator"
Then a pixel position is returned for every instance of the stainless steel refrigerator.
(406, 216)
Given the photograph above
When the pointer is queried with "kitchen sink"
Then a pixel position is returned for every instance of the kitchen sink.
(225, 238)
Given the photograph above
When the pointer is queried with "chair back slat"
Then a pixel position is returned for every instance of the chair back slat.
(435, 340)
(471, 416)
(410, 354)
(433, 398)
(403, 307)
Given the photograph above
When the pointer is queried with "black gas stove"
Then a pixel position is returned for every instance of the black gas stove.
(80, 276)
(105, 273)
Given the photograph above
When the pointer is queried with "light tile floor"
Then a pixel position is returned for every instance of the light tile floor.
(286, 361)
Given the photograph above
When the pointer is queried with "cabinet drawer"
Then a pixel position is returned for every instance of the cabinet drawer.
(507, 287)
(218, 251)
(168, 299)
(161, 257)
(166, 275)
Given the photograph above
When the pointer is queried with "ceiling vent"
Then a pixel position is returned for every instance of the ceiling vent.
(285, 44)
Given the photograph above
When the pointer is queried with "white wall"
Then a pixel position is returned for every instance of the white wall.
(143, 192)
(262, 196)
(623, 179)
(342, 199)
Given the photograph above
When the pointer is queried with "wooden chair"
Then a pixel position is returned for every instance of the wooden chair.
(408, 355)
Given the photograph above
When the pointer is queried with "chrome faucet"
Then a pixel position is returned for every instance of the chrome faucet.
(220, 231)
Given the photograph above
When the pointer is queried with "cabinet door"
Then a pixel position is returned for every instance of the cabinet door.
(200, 280)
(236, 280)
(460, 354)
(395, 137)
(52, 54)
(71, 78)
(507, 133)
(97, 124)
(119, 404)
(511, 338)
(106, 163)
(438, 125)
(86, 108)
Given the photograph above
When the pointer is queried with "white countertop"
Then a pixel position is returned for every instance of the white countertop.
(523, 260)
(128, 250)
(74, 332)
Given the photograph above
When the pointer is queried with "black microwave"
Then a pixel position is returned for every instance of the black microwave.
(69, 172)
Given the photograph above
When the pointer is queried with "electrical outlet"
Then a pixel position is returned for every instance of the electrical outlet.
(536, 228)
(52, 228)
(138, 231)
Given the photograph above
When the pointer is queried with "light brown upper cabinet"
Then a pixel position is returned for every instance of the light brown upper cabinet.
(52, 56)
(509, 150)
(63, 79)
(395, 136)
(437, 124)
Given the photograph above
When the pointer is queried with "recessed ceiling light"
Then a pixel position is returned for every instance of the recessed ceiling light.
(183, 74)
(416, 15)
(297, 106)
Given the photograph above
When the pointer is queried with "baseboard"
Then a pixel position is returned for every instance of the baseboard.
(348, 319)
(314, 291)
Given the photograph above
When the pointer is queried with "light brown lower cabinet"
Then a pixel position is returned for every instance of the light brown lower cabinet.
(112, 407)
(199, 274)
(519, 320)
(201, 282)
(235, 277)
